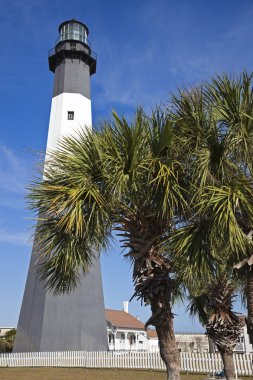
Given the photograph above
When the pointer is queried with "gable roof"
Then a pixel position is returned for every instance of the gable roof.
(122, 319)
(151, 334)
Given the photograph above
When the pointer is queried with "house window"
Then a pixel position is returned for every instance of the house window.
(70, 115)
(132, 339)
(111, 338)
(122, 338)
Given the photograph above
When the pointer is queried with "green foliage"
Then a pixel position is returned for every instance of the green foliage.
(215, 122)
(7, 342)
(126, 174)
(215, 296)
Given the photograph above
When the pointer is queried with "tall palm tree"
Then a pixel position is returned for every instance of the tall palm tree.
(216, 121)
(234, 99)
(212, 303)
(125, 177)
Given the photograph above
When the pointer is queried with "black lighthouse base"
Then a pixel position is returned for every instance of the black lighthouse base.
(71, 322)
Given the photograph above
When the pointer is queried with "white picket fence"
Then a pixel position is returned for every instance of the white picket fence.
(190, 362)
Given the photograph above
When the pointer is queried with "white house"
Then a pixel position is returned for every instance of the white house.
(4, 330)
(126, 332)
(243, 344)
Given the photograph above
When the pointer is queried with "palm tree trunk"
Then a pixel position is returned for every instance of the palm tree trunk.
(167, 341)
(229, 369)
(249, 319)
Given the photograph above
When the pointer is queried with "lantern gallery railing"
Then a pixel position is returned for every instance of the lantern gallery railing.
(52, 52)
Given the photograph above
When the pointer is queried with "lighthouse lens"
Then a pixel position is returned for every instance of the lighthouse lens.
(73, 31)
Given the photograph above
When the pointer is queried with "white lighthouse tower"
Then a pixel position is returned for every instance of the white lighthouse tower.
(74, 321)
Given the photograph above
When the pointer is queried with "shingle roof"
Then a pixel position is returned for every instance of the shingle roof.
(151, 334)
(122, 319)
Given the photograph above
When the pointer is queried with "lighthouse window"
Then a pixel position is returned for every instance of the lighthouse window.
(70, 115)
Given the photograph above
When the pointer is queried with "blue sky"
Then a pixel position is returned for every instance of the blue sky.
(146, 50)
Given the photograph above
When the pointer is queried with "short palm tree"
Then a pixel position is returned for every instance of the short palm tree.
(212, 303)
(125, 177)
(216, 125)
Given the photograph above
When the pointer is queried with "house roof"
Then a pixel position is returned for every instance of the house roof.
(151, 334)
(122, 319)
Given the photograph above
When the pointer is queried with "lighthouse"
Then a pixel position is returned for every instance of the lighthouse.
(75, 321)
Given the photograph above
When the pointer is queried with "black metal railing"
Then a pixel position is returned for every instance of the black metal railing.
(52, 52)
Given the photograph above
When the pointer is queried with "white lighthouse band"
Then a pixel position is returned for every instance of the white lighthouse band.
(69, 114)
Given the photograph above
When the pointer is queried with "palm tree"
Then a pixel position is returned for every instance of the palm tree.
(234, 98)
(125, 177)
(216, 123)
(212, 303)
